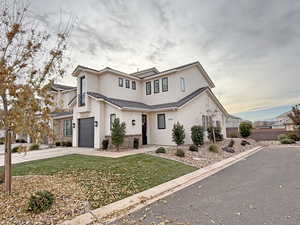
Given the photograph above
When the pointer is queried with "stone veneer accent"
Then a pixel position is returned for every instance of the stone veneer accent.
(128, 141)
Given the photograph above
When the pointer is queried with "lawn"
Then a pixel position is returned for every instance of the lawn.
(95, 180)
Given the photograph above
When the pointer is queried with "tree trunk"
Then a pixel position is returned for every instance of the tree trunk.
(214, 136)
(7, 161)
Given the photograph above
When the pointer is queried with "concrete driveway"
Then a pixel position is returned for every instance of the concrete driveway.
(263, 189)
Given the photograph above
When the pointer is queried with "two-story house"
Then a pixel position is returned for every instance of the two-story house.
(148, 101)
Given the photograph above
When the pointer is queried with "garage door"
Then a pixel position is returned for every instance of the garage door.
(86, 132)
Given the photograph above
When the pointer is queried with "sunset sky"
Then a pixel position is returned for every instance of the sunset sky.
(250, 49)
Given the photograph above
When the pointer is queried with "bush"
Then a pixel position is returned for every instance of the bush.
(293, 136)
(193, 148)
(213, 148)
(135, 143)
(15, 149)
(1, 143)
(197, 135)
(58, 143)
(178, 135)
(245, 129)
(282, 136)
(160, 150)
(180, 153)
(23, 141)
(66, 143)
(218, 134)
(34, 147)
(118, 132)
(40, 202)
(231, 143)
(2, 178)
(105, 143)
(287, 141)
(17, 140)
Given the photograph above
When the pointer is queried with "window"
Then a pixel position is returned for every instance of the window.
(182, 84)
(127, 83)
(156, 86)
(218, 124)
(204, 122)
(82, 91)
(133, 85)
(161, 121)
(148, 88)
(164, 82)
(120, 82)
(112, 119)
(67, 127)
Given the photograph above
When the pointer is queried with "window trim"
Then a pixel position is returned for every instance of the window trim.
(110, 119)
(127, 82)
(65, 128)
(133, 85)
(121, 82)
(182, 84)
(164, 121)
(148, 84)
(155, 91)
(162, 84)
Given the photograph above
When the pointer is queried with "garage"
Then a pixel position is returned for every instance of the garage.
(86, 132)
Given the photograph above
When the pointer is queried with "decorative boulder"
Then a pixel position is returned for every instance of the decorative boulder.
(228, 149)
(244, 142)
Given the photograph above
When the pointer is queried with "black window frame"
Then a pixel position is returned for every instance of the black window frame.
(81, 93)
(148, 90)
(133, 85)
(164, 120)
(121, 82)
(157, 86)
(110, 119)
(162, 84)
(127, 83)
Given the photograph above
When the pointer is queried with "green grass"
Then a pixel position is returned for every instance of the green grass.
(105, 180)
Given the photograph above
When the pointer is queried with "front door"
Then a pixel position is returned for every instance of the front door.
(86, 132)
(144, 129)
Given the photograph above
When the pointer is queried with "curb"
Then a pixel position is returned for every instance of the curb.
(118, 209)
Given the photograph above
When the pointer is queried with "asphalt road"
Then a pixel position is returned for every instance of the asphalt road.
(263, 189)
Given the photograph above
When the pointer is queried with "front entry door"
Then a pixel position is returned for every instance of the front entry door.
(86, 132)
(144, 129)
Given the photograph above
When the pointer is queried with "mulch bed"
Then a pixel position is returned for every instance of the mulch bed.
(203, 157)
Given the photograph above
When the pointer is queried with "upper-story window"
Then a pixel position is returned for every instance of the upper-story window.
(82, 90)
(148, 88)
(164, 82)
(156, 86)
(133, 85)
(182, 84)
(127, 83)
(121, 81)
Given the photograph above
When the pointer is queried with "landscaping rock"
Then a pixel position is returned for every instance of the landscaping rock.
(244, 143)
(228, 149)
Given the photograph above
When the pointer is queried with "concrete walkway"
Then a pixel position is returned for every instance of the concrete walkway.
(56, 152)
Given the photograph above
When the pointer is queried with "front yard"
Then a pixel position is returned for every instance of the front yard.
(81, 183)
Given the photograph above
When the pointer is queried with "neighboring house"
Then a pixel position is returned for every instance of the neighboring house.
(262, 124)
(284, 122)
(148, 101)
(62, 114)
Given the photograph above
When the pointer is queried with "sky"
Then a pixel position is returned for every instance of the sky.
(250, 49)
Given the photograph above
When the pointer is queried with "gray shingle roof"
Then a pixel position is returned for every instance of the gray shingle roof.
(138, 105)
(61, 87)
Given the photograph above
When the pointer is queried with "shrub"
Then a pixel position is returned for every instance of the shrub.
(193, 148)
(282, 136)
(231, 143)
(15, 149)
(34, 147)
(105, 143)
(197, 135)
(118, 132)
(178, 135)
(213, 148)
(218, 134)
(2, 178)
(58, 143)
(160, 150)
(293, 136)
(23, 141)
(66, 143)
(287, 141)
(245, 129)
(135, 143)
(180, 153)
(1, 143)
(40, 201)
(17, 140)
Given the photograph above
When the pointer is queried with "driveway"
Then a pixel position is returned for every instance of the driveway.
(263, 189)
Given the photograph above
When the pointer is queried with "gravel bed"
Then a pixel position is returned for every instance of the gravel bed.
(203, 157)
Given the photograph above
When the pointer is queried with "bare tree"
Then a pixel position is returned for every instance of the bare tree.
(30, 59)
